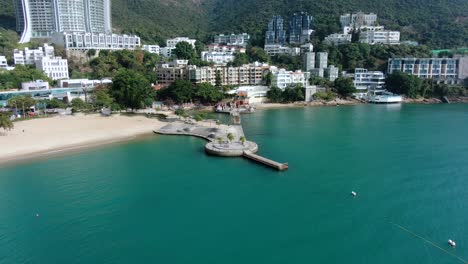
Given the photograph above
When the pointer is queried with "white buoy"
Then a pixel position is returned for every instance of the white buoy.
(353, 193)
(452, 243)
(37, 215)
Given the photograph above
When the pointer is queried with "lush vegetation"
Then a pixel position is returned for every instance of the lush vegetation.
(183, 91)
(292, 93)
(131, 90)
(14, 78)
(413, 87)
(344, 86)
(5, 122)
(108, 64)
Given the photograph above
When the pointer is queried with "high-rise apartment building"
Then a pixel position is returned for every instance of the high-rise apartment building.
(300, 28)
(275, 34)
(42, 18)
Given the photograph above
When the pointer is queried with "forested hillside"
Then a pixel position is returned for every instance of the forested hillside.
(438, 24)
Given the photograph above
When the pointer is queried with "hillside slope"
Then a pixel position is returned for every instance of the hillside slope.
(439, 24)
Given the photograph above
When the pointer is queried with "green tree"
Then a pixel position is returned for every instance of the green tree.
(131, 89)
(180, 91)
(268, 78)
(207, 93)
(242, 140)
(344, 86)
(55, 103)
(275, 95)
(293, 93)
(91, 53)
(6, 123)
(258, 54)
(230, 137)
(78, 104)
(25, 102)
(184, 51)
(403, 83)
(239, 60)
(102, 98)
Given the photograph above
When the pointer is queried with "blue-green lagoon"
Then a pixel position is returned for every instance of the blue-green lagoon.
(160, 199)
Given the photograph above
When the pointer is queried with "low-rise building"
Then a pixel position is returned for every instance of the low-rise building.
(34, 85)
(277, 49)
(233, 40)
(151, 48)
(55, 68)
(282, 78)
(31, 56)
(82, 41)
(168, 73)
(364, 79)
(338, 39)
(82, 83)
(225, 48)
(3, 62)
(166, 52)
(248, 74)
(441, 70)
(219, 58)
(171, 43)
(385, 37)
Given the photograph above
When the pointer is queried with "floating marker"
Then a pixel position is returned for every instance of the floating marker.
(37, 215)
(353, 193)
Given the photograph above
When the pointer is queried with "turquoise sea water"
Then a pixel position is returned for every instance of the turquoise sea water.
(162, 200)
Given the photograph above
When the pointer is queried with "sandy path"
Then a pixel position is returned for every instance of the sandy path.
(51, 135)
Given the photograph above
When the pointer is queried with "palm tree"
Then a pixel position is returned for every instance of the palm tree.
(230, 137)
(242, 139)
(5, 122)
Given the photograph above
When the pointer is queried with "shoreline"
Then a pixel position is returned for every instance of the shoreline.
(342, 102)
(53, 136)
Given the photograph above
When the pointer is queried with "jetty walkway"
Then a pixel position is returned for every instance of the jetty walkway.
(219, 143)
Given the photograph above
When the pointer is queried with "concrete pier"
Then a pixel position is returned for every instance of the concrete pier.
(218, 143)
(265, 161)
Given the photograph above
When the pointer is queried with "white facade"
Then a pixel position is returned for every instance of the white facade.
(220, 58)
(99, 41)
(380, 37)
(233, 39)
(225, 48)
(34, 85)
(55, 68)
(171, 43)
(277, 49)
(40, 19)
(365, 80)
(338, 39)
(3, 62)
(152, 48)
(30, 56)
(82, 83)
(283, 78)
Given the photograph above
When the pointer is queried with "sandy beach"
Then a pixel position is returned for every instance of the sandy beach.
(39, 137)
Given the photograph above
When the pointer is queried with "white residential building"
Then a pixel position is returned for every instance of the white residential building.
(386, 37)
(152, 48)
(82, 41)
(338, 39)
(331, 73)
(233, 40)
(30, 56)
(171, 43)
(365, 80)
(34, 85)
(3, 62)
(283, 78)
(55, 68)
(225, 48)
(219, 58)
(277, 49)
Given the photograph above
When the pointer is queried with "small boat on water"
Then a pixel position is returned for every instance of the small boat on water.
(382, 97)
(452, 243)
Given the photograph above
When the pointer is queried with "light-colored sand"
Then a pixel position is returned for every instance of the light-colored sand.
(62, 133)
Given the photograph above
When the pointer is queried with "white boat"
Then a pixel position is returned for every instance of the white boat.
(383, 97)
